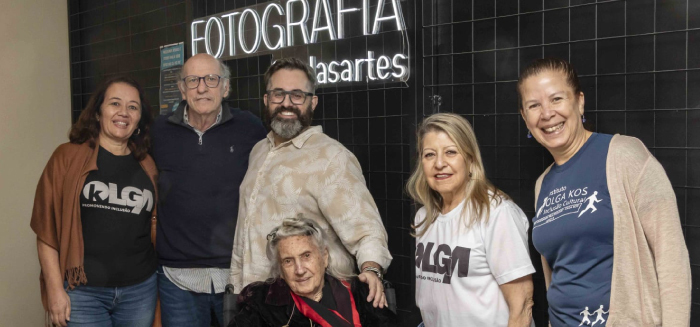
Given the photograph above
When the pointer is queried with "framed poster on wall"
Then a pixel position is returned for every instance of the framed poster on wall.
(172, 57)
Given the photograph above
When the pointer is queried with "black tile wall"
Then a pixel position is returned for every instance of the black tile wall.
(507, 32)
(611, 18)
(121, 37)
(484, 8)
(582, 22)
(638, 61)
(640, 53)
(557, 27)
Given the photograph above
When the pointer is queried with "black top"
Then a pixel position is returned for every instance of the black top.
(327, 300)
(270, 304)
(198, 181)
(115, 209)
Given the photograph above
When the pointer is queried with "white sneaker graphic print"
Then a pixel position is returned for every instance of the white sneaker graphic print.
(591, 200)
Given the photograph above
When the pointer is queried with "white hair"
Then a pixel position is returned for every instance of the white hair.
(300, 226)
(224, 72)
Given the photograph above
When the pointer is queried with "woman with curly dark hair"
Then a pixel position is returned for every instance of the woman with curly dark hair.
(92, 215)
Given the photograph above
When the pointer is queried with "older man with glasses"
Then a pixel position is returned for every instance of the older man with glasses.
(201, 151)
(298, 169)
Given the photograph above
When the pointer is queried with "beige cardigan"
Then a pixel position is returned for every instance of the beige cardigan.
(651, 281)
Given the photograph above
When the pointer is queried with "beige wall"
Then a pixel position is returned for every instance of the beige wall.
(34, 119)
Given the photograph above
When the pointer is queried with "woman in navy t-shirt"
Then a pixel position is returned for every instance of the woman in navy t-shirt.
(594, 201)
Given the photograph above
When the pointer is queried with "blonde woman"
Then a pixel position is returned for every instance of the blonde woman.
(472, 261)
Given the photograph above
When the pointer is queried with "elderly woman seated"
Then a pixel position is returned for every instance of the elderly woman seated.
(306, 288)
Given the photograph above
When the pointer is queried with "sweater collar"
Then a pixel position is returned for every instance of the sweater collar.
(178, 117)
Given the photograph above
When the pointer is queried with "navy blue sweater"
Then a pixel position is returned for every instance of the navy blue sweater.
(198, 186)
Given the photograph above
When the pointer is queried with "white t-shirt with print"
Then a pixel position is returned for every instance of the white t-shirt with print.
(459, 269)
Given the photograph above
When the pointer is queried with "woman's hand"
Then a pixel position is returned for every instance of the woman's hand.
(518, 295)
(59, 307)
(58, 300)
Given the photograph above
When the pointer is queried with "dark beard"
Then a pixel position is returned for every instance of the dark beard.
(284, 127)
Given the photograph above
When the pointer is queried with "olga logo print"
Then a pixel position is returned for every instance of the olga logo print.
(131, 200)
(444, 261)
(561, 202)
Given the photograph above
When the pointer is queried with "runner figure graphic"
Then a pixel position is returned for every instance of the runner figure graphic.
(600, 313)
(591, 200)
(585, 314)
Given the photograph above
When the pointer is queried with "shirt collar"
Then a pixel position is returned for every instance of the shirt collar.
(299, 140)
(186, 118)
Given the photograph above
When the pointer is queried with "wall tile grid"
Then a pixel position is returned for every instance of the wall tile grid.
(639, 65)
(109, 37)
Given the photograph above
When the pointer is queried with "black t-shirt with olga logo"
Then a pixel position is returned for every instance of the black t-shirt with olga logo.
(116, 203)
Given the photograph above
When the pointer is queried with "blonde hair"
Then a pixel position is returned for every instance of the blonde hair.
(479, 192)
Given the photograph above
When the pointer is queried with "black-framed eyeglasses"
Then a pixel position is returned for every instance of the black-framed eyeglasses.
(211, 80)
(277, 96)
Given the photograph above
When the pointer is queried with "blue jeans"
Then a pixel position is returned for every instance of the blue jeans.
(184, 308)
(130, 306)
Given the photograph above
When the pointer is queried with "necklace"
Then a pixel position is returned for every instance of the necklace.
(311, 323)
(290, 316)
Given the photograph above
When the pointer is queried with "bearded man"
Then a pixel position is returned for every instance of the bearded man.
(298, 169)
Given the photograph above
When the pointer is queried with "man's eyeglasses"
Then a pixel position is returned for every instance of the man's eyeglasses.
(277, 96)
(211, 80)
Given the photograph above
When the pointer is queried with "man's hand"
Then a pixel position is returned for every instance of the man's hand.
(376, 289)
(59, 307)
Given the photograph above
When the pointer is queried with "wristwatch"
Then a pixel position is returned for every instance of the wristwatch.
(374, 270)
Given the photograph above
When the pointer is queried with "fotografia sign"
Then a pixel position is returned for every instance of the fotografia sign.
(277, 26)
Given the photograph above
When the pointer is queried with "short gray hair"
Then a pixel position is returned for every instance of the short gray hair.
(224, 71)
(301, 226)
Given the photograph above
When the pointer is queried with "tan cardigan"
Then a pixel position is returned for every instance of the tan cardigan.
(651, 281)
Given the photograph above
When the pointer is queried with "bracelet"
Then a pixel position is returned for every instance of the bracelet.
(374, 270)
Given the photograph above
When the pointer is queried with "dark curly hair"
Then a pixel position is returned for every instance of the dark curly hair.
(87, 128)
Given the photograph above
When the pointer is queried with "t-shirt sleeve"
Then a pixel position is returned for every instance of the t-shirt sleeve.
(505, 242)
(420, 216)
